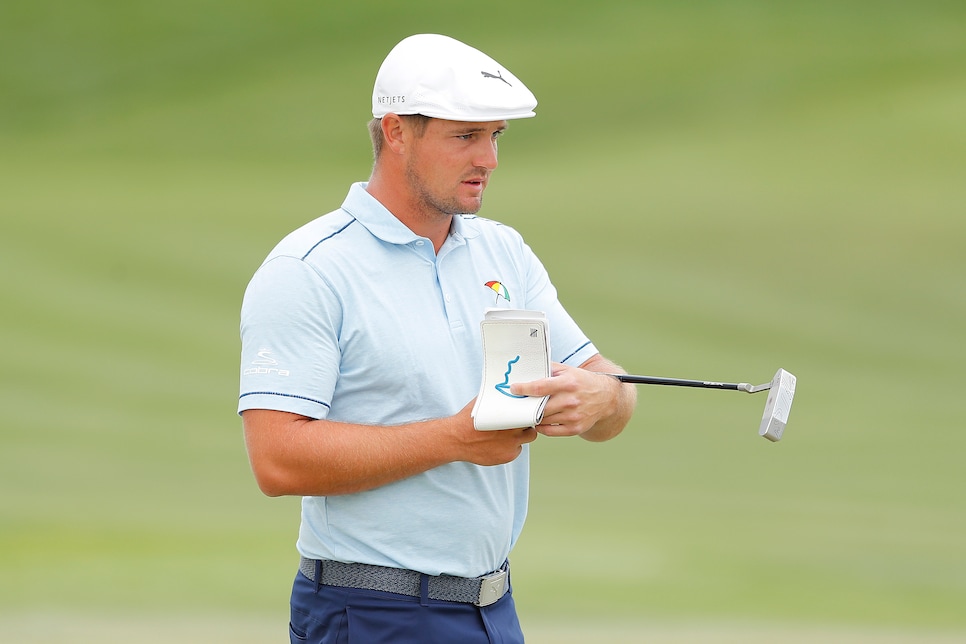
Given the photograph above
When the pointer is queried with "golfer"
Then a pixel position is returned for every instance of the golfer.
(362, 357)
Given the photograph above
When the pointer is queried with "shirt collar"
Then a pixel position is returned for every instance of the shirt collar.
(379, 221)
(375, 217)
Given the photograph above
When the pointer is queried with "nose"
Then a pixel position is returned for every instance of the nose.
(487, 155)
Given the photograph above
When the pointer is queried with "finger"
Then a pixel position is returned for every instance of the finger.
(554, 430)
(542, 387)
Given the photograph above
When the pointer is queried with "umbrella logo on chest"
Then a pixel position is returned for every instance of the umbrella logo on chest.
(499, 289)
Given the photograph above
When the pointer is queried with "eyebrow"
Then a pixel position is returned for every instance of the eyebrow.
(472, 130)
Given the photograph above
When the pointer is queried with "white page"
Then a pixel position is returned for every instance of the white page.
(516, 348)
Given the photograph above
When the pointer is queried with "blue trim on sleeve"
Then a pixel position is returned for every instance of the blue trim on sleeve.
(576, 352)
(275, 393)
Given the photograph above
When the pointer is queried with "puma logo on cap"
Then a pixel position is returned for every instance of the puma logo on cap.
(498, 75)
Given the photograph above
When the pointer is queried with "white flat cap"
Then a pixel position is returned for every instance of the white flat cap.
(443, 78)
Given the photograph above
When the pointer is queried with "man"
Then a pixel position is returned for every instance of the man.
(361, 358)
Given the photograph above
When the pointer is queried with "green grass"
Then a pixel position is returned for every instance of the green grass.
(718, 190)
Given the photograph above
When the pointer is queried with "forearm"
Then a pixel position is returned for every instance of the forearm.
(294, 455)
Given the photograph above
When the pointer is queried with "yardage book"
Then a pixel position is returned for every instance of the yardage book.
(516, 348)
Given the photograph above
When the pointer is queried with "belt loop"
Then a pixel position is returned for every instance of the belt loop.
(509, 581)
(318, 576)
(423, 590)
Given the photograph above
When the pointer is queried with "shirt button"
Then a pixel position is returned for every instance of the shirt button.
(420, 242)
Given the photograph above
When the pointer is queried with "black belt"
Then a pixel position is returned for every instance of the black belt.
(480, 591)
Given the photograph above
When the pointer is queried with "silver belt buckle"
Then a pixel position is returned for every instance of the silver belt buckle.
(492, 588)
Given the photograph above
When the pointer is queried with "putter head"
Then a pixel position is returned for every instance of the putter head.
(779, 402)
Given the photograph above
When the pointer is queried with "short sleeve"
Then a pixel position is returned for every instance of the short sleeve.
(568, 343)
(289, 334)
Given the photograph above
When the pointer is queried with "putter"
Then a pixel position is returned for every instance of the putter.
(781, 390)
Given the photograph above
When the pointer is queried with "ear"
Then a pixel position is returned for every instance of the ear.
(394, 133)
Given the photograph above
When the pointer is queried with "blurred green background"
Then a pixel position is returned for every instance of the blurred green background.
(718, 189)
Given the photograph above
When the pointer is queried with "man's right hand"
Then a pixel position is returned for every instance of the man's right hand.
(488, 447)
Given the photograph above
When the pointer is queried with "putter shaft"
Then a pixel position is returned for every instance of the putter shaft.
(679, 382)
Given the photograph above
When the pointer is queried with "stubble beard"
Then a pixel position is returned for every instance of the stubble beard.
(435, 206)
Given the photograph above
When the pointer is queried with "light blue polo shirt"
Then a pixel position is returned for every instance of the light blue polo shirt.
(354, 318)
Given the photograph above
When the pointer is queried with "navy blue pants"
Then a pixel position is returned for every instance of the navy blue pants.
(336, 615)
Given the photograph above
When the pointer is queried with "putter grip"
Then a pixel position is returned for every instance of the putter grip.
(674, 382)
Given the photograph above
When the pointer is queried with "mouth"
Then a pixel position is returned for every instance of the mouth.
(475, 183)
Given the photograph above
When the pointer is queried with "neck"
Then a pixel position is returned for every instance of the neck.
(432, 225)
